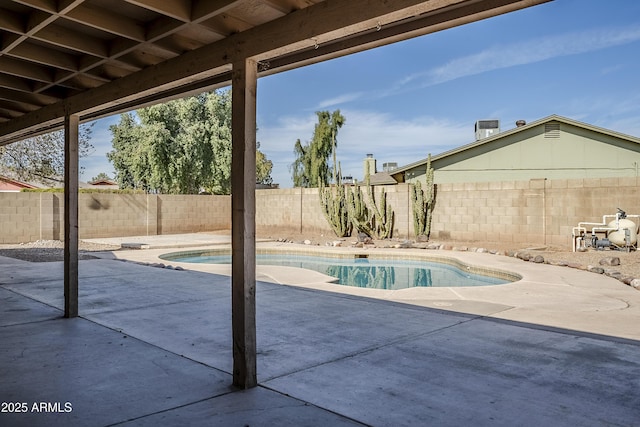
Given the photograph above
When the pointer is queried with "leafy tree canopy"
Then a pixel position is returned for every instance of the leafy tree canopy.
(263, 167)
(41, 158)
(310, 167)
(180, 147)
(101, 177)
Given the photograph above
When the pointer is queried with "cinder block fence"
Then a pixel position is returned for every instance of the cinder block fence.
(529, 212)
(32, 216)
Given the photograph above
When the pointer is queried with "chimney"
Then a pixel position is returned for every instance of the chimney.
(370, 165)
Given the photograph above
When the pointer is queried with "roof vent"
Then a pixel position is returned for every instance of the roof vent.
(552, 130)
(520, 123)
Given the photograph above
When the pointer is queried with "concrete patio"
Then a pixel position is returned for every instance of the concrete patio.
(152, 346)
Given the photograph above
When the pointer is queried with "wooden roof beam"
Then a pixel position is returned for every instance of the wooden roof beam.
(176, 9)
(12, 22)
(53, 6)
(34, 99)
(202, 10)
(45, 56)
(68, 39)
(15, 83)
(20, 68)
(425, 24)
(108, 21)
(47, 11)
(329, 21)
(282, 5)
(17, 109)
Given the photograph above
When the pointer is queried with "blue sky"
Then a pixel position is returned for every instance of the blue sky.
(575, 58)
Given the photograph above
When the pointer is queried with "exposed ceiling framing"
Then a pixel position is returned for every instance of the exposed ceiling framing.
(99, 57)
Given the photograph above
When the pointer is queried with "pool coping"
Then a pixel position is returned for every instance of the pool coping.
(378, 255)
(547, 295)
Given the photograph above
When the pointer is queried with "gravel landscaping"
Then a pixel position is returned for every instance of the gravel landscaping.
(50, 250)
(624, 266)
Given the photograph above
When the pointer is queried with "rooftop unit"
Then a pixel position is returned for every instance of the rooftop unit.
(486, 128)
(389, 166)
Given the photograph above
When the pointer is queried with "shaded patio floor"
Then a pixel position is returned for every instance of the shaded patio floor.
(153, 347)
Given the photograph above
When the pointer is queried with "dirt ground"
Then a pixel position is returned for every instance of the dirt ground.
(628, 268)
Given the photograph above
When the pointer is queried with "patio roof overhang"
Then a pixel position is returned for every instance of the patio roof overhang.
(100, 57)
(63, 62)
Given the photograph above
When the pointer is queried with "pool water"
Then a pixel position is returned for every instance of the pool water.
(365, 272)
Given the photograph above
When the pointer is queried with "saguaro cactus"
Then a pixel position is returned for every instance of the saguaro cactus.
(334, 206)
(359, 214)
(369, 218)
(422, 203)
(345, 209)
(382, 215)
(382, 218)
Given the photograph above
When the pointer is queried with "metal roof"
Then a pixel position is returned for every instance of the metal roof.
(99, 57)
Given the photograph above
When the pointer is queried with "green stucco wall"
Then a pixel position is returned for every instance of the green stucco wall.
(532, 154)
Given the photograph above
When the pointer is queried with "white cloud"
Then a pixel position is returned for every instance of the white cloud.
(96, 162)
(277, 142)
(528, 52)
(610, 112)
(389, 139)
(347, 97)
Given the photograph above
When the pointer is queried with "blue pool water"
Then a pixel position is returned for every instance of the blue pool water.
(365, 272)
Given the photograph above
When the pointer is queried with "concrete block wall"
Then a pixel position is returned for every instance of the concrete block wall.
(190, 213)
(279, 211)
(19, 217)
(313, 219)
(290, 211)
(51, 216)
(298, 210)
(579, 200)
(104, 215)
(508, 211)
(535, 212)
(29, 216)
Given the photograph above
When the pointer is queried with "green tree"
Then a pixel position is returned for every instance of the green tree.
(263, 167)
(180, 147)
(310, 167)
(101, 177)
(41, 158)
(125, 144)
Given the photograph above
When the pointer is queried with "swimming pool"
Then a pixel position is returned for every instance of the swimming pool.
(363, 271)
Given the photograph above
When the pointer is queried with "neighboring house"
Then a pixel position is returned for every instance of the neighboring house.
(375, 177)
(382, 178)
(553, 148)
(101, 184)
(11, 184)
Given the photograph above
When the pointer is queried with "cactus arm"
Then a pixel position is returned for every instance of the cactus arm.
(422, 202)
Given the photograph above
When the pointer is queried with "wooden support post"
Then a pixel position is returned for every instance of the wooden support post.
(71, 135)
(243, 222)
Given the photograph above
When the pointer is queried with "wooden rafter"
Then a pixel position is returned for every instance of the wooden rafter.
(167, 44)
